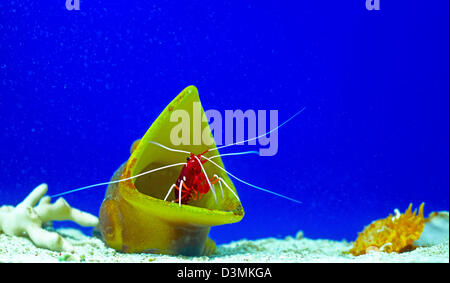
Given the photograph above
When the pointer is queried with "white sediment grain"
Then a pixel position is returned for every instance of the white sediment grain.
(290, 249)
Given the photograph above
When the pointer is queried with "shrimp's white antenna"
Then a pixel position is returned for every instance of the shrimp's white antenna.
(226, 154)
(251, 185)
(179, 192)
(117, 181)
(255, 138)
(235, 153)
(170, 190)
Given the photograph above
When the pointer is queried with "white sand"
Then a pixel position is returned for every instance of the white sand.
(299, 249)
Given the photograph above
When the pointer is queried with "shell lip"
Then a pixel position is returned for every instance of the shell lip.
(173, 212)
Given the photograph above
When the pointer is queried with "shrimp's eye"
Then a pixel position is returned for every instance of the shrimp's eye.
(188, 158)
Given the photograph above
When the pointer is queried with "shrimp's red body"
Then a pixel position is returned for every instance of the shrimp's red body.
(192, 180)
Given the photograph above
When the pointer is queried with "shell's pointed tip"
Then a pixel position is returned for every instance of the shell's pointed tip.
(191, 88)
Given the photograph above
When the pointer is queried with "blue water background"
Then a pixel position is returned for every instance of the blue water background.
(78, 87)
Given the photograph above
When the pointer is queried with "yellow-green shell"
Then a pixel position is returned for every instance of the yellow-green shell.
(135, 218)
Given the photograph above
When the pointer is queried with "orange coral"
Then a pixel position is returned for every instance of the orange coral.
(392, 234)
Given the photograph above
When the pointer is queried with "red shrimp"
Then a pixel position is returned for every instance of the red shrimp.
(193, 181)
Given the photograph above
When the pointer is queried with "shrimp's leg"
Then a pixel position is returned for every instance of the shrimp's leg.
(195, 195)
(220, 184)
(170, 190)
(221, 180)
(213, 181)
(217, 180)
(182, 185)
(185, 187)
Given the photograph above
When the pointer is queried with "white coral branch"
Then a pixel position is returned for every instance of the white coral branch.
(26, 219)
